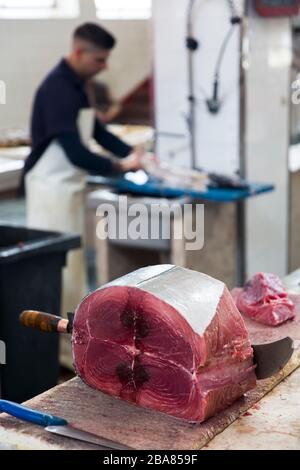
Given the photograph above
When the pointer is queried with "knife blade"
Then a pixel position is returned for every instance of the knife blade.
(57, 425)
(73, 433)
(270, 358)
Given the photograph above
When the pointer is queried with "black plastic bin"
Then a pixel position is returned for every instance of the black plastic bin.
(31, 263)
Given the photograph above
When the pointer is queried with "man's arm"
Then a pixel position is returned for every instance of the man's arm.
(81, 157)
(111, 142)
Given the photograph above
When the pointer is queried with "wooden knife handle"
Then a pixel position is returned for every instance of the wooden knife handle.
(44, 322)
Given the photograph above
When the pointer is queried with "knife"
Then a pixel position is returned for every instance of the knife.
(269, 358)
(47, 323)
(57, 425)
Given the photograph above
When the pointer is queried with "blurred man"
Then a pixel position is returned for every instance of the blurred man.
(62, 126)
(60, 100)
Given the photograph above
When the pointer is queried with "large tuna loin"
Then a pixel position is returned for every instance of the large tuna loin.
(265, 300)
(165, 338)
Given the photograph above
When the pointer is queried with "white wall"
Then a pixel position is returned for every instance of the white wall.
(267, 140)
(217, 135)
(30, 48)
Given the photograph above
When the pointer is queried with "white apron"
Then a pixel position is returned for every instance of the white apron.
(55, 200)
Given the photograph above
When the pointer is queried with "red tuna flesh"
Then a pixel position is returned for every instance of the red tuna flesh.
(165, 338)
(265, 300)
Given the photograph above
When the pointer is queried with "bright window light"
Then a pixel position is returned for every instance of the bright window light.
(123, 9)
(30, 9)
(22, 4)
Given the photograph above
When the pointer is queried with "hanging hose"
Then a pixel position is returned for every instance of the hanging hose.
(214, 104)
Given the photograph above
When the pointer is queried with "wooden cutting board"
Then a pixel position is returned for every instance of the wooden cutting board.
(139, 428)
(273, 424)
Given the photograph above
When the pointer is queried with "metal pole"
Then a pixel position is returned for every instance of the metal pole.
(241, 207)
(192, 45)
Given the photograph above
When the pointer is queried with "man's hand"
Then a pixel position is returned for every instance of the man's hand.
(133, 162)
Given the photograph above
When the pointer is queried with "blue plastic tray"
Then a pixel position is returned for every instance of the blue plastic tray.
(157, 189)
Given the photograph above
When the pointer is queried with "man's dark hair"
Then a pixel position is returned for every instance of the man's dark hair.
(96, 35)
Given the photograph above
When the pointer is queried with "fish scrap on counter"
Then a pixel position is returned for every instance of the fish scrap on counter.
(265, 300)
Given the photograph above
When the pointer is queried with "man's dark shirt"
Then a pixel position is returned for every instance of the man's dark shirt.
(57, 104)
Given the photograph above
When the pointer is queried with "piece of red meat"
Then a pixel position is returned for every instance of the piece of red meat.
(165, 338)
(265, 300)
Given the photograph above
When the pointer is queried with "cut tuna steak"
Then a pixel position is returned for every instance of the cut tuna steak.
(165, 338)
(265, 300)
